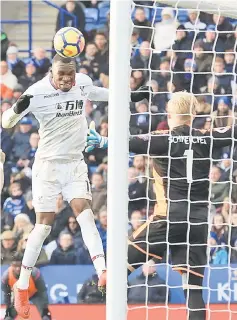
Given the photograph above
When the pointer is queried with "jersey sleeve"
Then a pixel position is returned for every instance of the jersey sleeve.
(10, 118)
(154, 144)
(223, 137)
(98, 94)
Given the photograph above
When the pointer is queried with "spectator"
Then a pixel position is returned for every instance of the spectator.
(34, 142)
(218, 251)
(41, 62)
(229, 58)
(74, 230)
(233, 238)
(16, 65)
(135, 42)
(4, 45)
(62, 213)
(231, 42)
(7, 77)
(136, 192)
(210, 43)
(88, 59)
(15, 204)
(223, 25)
(163, 75)
(75, 9)
(140, 20)
(182, 43)
(139, 122)
(234, 187)
(223, 116)
(42, 259)
(21, 139)
(226, 210)
(102, 227)
(99, 192)
(226, 165)
(220, 73)
(65, 252)
(22, 225)
(6, 143)
(212, 89)
(8, 247)
(30, 76)
(148, 286)
(218, 229)
(145, 59)
(194, 24)
(139, 164)
(139, 78)
(136, 221)
(165, 31)
(189, 80)
(102, 56)
(89, 293)
(17, 92)
(37, 290)
(219, 190)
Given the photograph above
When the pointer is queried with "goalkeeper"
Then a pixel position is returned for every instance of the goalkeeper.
(180, 222)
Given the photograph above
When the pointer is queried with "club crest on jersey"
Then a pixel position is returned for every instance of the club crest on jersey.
(83, 93)
(69, 108)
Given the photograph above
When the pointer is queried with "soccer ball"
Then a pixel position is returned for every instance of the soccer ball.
(69, 42)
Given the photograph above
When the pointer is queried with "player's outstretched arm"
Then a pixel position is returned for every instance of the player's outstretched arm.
(102, 94)
(95, 140)
(223, 137)
(19, 109)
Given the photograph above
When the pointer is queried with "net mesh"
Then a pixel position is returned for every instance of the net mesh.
(173, 50)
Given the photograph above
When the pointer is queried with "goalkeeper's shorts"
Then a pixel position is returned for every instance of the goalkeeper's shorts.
(185, 242)
(52, 177)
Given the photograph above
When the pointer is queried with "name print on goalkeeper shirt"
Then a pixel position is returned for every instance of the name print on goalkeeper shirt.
(187, 140)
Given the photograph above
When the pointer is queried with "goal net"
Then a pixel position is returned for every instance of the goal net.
(191, 46)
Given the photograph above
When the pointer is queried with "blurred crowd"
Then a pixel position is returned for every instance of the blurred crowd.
(194, 52)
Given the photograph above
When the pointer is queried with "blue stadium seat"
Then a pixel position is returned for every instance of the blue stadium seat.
(182, 15)
(103, 12)
(91, 26)
(92, 15)
(157, 13)
(104, 4)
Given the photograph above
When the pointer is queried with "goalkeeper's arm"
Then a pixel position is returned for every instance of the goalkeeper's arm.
(142, 144)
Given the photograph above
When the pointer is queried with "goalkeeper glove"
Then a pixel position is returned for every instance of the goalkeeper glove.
(10, 313)
(22, 103)
(95, 140)
(142, 93)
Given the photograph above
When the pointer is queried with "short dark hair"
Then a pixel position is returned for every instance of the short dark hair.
(58, 58)
(17, 257)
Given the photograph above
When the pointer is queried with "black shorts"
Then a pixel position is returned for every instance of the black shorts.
(186, 244)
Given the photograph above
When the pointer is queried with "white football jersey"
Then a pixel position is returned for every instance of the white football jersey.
(61, 115)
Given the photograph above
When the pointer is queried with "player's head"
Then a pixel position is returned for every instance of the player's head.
(181, 109)
(63, 73)
(16, 263)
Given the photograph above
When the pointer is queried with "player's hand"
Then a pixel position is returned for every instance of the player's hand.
(95, 140)
(2, 156)
(22, 103)
(142, 93)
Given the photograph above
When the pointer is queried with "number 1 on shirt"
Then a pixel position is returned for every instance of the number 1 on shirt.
(189, 165)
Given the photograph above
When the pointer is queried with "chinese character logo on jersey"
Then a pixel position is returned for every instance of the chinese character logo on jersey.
(69, 108)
